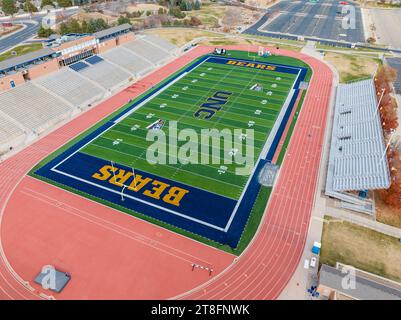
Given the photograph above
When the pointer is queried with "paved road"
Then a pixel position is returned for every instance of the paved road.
(32, 26)
(21, 36)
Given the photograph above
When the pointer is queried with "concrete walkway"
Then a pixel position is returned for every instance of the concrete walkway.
(362, 221)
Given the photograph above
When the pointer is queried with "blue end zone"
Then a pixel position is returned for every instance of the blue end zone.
(222, 221)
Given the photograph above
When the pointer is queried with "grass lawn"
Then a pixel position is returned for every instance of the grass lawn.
(351, 67)
(355, 50)
(181, 36)
(276, 40)
(20, 50)
(360, 247)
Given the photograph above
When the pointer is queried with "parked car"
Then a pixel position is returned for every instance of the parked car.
(313, 262)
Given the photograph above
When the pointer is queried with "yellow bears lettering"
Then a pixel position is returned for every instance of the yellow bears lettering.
(149, 187)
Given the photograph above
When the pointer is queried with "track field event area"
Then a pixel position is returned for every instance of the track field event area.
(110, 164)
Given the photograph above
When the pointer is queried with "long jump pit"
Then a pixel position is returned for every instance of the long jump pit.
(112, 255)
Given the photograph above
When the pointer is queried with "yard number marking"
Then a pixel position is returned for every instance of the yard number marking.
(135, 127)
(117, 141)
(222, 169)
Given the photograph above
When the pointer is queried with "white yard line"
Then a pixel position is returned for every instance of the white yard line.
(157, 92)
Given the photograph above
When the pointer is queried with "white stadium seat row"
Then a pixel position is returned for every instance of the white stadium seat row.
(39, 104)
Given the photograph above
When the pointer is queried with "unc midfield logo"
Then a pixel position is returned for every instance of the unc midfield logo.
(213, 104)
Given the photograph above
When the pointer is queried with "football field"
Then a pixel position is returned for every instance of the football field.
(206, 196)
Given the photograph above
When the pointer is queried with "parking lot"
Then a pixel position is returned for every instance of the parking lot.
(396, 64)
(386, 22)
(320, 20)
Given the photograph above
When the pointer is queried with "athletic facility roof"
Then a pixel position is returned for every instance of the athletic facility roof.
(364, 289)
(26, 58)
(357, 152)
(112, 31)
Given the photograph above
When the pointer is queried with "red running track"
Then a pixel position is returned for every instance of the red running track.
(112, 255)
(267, 265)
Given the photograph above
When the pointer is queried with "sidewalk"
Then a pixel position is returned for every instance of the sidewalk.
(362, 221)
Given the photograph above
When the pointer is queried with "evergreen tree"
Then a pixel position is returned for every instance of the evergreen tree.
(63, 28)
(122, 20)
(183, 5)
(74, 26)
(64, 3)
(9, 7)
(84, 27)
(91, 26)
(44, 32)
(29, 7)
(46, 3)
(197, 5)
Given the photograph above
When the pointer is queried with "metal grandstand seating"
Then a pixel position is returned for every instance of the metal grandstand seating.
(107, 75)
(36, 105)
(33, 107)
(357, 152)
(169, 47)
(9, 132)
(78, 66)
(93, 59)
(71, 86)
(128, 60)
(148, 51)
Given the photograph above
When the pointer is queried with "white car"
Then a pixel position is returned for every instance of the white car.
(313, 262)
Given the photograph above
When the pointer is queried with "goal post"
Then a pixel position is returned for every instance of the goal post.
(122, 185)
(251, 54)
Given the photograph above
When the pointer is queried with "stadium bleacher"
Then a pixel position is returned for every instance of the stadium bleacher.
(163, 44)
(148, 51)
(128, 60)
(38, 104)
(72, 87)
(33, 107)
(357, 158)
(9, 132)
(106, 74)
